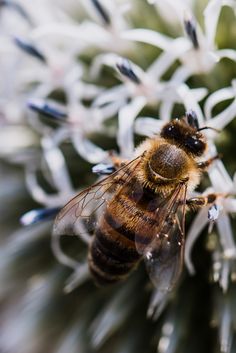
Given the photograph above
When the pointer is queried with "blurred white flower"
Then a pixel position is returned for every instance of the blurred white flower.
(54, 92)
(198, 53)
(172, 11)
(138, 90)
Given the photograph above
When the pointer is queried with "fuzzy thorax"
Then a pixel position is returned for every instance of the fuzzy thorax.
(165, 165)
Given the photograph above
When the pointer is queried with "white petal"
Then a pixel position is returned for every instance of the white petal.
(226, 236)
(38, 193)
(220, 178)
(181, 75)
(226, 330)
(100, 60)
(88, 150)
(61, 256)
(147, 126)
(109, 110)
(126, 118)
(198, 224)
(230, 205)
(112, 316)
(167, 58)
(89, 91)
(224, 118)
(148, 36)
(226, 53)
(157, 303)
(15, 138)
(117, 93)
(190, 102)
(199, 93)
(172, 10)
(161, 65)
(57, 165)
(215, 98)
(224, 276)
(78, 277)
(166, 108)
(211, 17)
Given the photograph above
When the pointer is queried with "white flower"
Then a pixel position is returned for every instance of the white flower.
(141, 88)
(56, 46)
(222, 184)
(227, 115)
(111, 23)
(196, 57)
(172, 10)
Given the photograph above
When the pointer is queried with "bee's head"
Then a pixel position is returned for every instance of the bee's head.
(186, 134)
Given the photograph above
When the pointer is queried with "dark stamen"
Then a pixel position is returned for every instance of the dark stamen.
(126, 69)
(102, 12)
(29, 49)
(49, 109)
(16, 7)
(190, 28)
(192, 119)
(39, 215)
(103, 169)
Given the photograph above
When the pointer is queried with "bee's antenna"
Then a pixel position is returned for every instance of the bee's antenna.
(208, 127)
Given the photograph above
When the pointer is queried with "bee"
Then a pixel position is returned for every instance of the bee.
(138, 212)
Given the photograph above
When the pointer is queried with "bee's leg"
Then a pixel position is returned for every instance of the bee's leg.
(200, 201)
(106, 169)
(205, 164)
(117, 161)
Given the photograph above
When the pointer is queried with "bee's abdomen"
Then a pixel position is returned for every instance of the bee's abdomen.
(125, 224)
(112, 255)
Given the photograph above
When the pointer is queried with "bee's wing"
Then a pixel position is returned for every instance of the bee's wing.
(80, 214)
(163, 253)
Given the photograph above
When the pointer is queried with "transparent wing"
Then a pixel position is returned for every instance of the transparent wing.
(163, 251)
(80, 214)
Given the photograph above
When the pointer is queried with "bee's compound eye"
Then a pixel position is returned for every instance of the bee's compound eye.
(195, 146)
(170, 131)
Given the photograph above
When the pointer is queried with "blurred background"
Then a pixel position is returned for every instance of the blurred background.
(80, 78)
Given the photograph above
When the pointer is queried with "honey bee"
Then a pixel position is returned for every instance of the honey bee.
(138, 212)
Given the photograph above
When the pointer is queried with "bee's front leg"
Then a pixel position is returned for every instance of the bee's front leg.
(117, 162)
(200, 201)
(107, 169)
(206, 164)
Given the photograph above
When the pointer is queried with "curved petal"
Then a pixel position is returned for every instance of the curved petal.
(167, 58)
(148, 36)
(225, 117)
(38, 193)
(190, 102)
(57, 165)
(147, 126)
(198, 224)
(226, 53)
(88, 150)
(100, 60)
(230, 205)
(226, 236)
(215, 98)
(211, 17)
(166, 108)
(126, 118)
(219, 177)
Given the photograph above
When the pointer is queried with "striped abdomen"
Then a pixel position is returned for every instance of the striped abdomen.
(127, 217)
